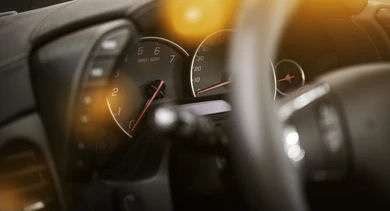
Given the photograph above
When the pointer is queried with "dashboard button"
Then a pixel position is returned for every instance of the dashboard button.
(100, 70)
(113, 43)
(90, 97)
(92, 102)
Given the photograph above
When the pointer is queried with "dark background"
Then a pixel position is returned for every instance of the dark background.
(24, 5)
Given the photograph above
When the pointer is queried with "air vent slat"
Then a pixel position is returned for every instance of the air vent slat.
(19, 155)
(25, 180)
(24, 172)
(30, 188)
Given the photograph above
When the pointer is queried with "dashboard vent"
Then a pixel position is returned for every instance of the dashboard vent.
(25, 180)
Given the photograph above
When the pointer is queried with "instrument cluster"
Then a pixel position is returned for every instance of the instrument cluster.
(159, 69)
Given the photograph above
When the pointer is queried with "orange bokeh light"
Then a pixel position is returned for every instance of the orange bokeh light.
(194, 19)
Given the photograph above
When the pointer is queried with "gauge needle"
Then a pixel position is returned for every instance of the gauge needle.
(288, 78)
(215, 86)
(147, 105)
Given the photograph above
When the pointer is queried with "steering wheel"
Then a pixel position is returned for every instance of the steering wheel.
(335, 127)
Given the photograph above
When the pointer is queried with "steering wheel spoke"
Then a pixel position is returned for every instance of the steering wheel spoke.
(315, 133)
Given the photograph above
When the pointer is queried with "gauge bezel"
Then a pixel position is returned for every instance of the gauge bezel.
(202, 43)
(296, 64)
(146, 38)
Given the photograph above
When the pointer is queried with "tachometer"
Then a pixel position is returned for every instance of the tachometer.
(146, 74)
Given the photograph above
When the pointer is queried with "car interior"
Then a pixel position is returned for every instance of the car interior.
(188, 105)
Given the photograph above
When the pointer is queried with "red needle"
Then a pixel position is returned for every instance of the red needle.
(213, 87)
(287, 78)
(147, 105)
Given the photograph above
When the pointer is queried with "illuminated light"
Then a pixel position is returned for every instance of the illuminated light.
(302, 101)
(165, 117)
(8, 199)
(295, 153)
(35, 206)
(292, 137)
(84, 119)
(87, 100)
(291, 144)
(109, 44)
(193, 14)
(194, 19)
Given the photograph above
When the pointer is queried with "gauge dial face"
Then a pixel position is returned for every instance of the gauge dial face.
(145, 75)
(208, 68)
(209, 72)
(290, 76)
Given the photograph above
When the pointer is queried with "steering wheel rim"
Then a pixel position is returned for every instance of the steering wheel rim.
(264, 169)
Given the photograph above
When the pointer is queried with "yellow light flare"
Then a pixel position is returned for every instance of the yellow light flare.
(9, 200)
(195, 19)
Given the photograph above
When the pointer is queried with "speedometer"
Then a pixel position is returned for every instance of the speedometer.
(209, 75)
(208, 67)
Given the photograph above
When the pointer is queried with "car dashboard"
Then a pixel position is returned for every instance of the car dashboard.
(112, 70)
(198, 68)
